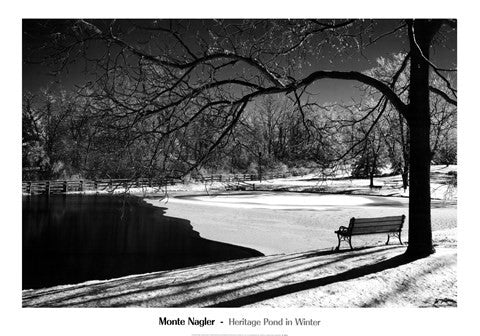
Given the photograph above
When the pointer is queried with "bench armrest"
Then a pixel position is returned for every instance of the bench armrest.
(342, 229)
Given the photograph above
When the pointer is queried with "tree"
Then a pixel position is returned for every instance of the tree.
(421, 34)
(217, 68)
(394, 130)
(45, 119)
(273, 133)
(392, 127)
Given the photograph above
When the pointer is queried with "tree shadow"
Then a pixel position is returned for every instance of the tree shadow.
(70, 239)
(382, 201)
(315, 283)
(202, 287)
(408, 283)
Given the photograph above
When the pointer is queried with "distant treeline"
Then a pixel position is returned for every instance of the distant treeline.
(84, 136)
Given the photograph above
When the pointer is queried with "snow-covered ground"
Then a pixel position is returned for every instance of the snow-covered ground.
(442, 185)
(376, 276)
(371, 276)
(276, 200)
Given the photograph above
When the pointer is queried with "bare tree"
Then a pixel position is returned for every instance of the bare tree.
(165, 75)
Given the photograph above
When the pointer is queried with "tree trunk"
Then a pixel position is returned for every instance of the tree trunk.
(405, 152)
(420, 243)
(405, 178)
(373, 168)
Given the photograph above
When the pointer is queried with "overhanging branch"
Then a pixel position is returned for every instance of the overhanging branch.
(443, 95)
(360, 77)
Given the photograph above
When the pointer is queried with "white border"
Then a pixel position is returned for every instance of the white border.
(21, 321)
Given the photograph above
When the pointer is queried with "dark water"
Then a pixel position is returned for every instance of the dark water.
(74, 238)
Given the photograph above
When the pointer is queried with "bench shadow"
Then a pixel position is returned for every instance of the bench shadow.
(315, 283)
(76, 238)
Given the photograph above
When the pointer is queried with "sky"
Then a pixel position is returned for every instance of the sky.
(38, 76)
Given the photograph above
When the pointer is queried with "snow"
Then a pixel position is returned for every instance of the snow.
(441, 186)
(253, 200)
(376, 276)
(370, 276)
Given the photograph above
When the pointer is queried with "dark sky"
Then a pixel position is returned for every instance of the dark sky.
(37, 32)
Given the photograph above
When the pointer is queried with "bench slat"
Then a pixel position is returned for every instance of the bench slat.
(379, 219)
(367, 225)
(360, 225)
(376, 229)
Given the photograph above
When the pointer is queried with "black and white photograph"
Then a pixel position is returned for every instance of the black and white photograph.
(270, 167)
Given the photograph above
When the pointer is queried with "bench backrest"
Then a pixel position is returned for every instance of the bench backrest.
(359, 226)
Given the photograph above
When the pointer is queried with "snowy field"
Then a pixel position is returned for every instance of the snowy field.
(370, 277)
(295, 232)
(443, 185)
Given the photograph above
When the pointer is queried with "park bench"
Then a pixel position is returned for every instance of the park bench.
(391, 225)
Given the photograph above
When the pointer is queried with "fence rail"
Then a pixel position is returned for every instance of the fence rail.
(65, 186)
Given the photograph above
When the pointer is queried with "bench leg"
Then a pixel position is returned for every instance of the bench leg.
(398, 235)
(339, 240)
(347, 238)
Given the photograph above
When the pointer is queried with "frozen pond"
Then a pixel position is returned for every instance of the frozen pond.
(75, 238)
(276, 200)
(290, 222)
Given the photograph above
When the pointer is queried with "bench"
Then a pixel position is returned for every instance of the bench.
(391, 225)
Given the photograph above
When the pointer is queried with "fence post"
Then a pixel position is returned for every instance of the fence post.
(81, 185)
(47, 187)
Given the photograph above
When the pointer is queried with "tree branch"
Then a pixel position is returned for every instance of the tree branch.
(210, 57)
(443, 95)
(360, 77)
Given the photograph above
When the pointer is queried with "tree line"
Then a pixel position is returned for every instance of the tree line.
(65, 136)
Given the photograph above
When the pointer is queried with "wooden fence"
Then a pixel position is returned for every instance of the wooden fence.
(65, 186)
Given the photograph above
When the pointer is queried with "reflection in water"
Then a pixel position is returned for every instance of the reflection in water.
(74, 238)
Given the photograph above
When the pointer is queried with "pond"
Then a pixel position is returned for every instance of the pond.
(74, 238)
